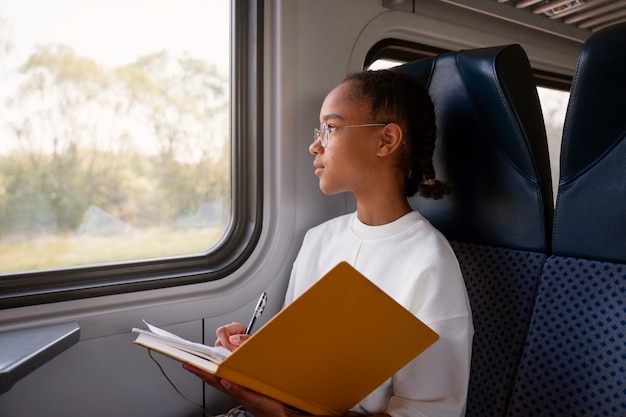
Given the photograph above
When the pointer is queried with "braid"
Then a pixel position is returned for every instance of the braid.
(401, 98)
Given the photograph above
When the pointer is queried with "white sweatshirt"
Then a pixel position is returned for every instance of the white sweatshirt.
(413, 263)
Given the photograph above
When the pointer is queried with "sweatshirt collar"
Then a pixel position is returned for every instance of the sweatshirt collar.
(404, 223)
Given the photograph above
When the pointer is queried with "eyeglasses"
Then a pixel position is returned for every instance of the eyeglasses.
(325, 130)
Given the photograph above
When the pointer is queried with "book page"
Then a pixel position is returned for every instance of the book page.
(219, 353)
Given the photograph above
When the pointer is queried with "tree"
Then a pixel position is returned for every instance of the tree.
(185, 99)
(138, 141)
(57, 121)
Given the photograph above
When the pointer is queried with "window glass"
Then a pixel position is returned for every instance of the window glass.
(554, 106)
(384, 64)
(114, 131)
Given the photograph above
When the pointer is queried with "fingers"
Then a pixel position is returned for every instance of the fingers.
(231, 336)
(258, 404)
(238, 339)
(210, 379)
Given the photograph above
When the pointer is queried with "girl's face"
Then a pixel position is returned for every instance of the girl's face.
(347, 161)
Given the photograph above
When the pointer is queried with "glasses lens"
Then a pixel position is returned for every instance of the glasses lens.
(321, 134)
(324, 134)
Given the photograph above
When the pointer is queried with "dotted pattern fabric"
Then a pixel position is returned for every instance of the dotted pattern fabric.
(501, 285)
(574, 361)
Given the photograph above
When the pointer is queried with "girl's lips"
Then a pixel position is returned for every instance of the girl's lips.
(319, 168)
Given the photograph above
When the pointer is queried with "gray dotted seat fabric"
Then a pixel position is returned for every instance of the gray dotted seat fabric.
(574, 362)
(501, 285)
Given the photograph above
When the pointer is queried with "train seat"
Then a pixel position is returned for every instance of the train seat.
(574, 359)
(492, 149)
(590, 220)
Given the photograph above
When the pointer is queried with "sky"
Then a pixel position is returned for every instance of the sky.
(112, 32)
(115, 32)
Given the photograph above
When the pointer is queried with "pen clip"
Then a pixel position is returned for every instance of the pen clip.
(260, 305)
(258, 310)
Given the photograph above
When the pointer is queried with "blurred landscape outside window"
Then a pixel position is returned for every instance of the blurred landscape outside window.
(114, 131)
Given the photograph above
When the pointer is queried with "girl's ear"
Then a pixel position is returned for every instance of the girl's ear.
(391, 139)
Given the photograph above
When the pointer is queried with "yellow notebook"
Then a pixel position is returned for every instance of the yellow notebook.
(325, 351)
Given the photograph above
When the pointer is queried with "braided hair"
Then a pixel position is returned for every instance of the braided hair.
(401, 98)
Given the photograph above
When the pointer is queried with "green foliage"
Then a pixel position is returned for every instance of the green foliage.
(145, 142)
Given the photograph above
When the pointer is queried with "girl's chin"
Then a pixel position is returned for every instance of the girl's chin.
(329, 190)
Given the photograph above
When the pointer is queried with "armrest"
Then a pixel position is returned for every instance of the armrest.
(24, 350)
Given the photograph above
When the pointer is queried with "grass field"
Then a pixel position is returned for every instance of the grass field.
(59, 251)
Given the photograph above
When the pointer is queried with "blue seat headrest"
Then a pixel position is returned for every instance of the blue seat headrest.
(590, 215)
(491, 148)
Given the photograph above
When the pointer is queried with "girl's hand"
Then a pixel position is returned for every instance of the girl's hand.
(231, 336)
(257, 404)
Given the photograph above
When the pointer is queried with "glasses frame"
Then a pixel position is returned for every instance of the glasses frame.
(323, 132)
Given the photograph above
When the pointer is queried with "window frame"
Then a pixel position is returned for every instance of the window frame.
(406, 51)
(241, 234)
(400, 50)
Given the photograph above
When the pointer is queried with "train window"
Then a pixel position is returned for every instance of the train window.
(553, 90)
(120, 163)
(554, 105)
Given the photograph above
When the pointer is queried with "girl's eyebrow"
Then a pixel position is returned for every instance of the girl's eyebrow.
(332, 116)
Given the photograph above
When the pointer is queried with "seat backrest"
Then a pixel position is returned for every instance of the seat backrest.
(590, 218)
(574, 361)
(491, 148)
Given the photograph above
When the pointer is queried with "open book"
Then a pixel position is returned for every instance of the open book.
(323, 353)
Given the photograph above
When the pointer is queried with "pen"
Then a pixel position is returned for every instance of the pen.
(258, 310)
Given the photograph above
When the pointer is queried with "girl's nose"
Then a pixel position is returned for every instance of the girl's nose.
(316, 147)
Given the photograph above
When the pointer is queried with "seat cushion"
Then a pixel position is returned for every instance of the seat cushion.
(501, 285)
(574, 362)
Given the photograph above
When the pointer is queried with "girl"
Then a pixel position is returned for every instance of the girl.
(376, 140)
